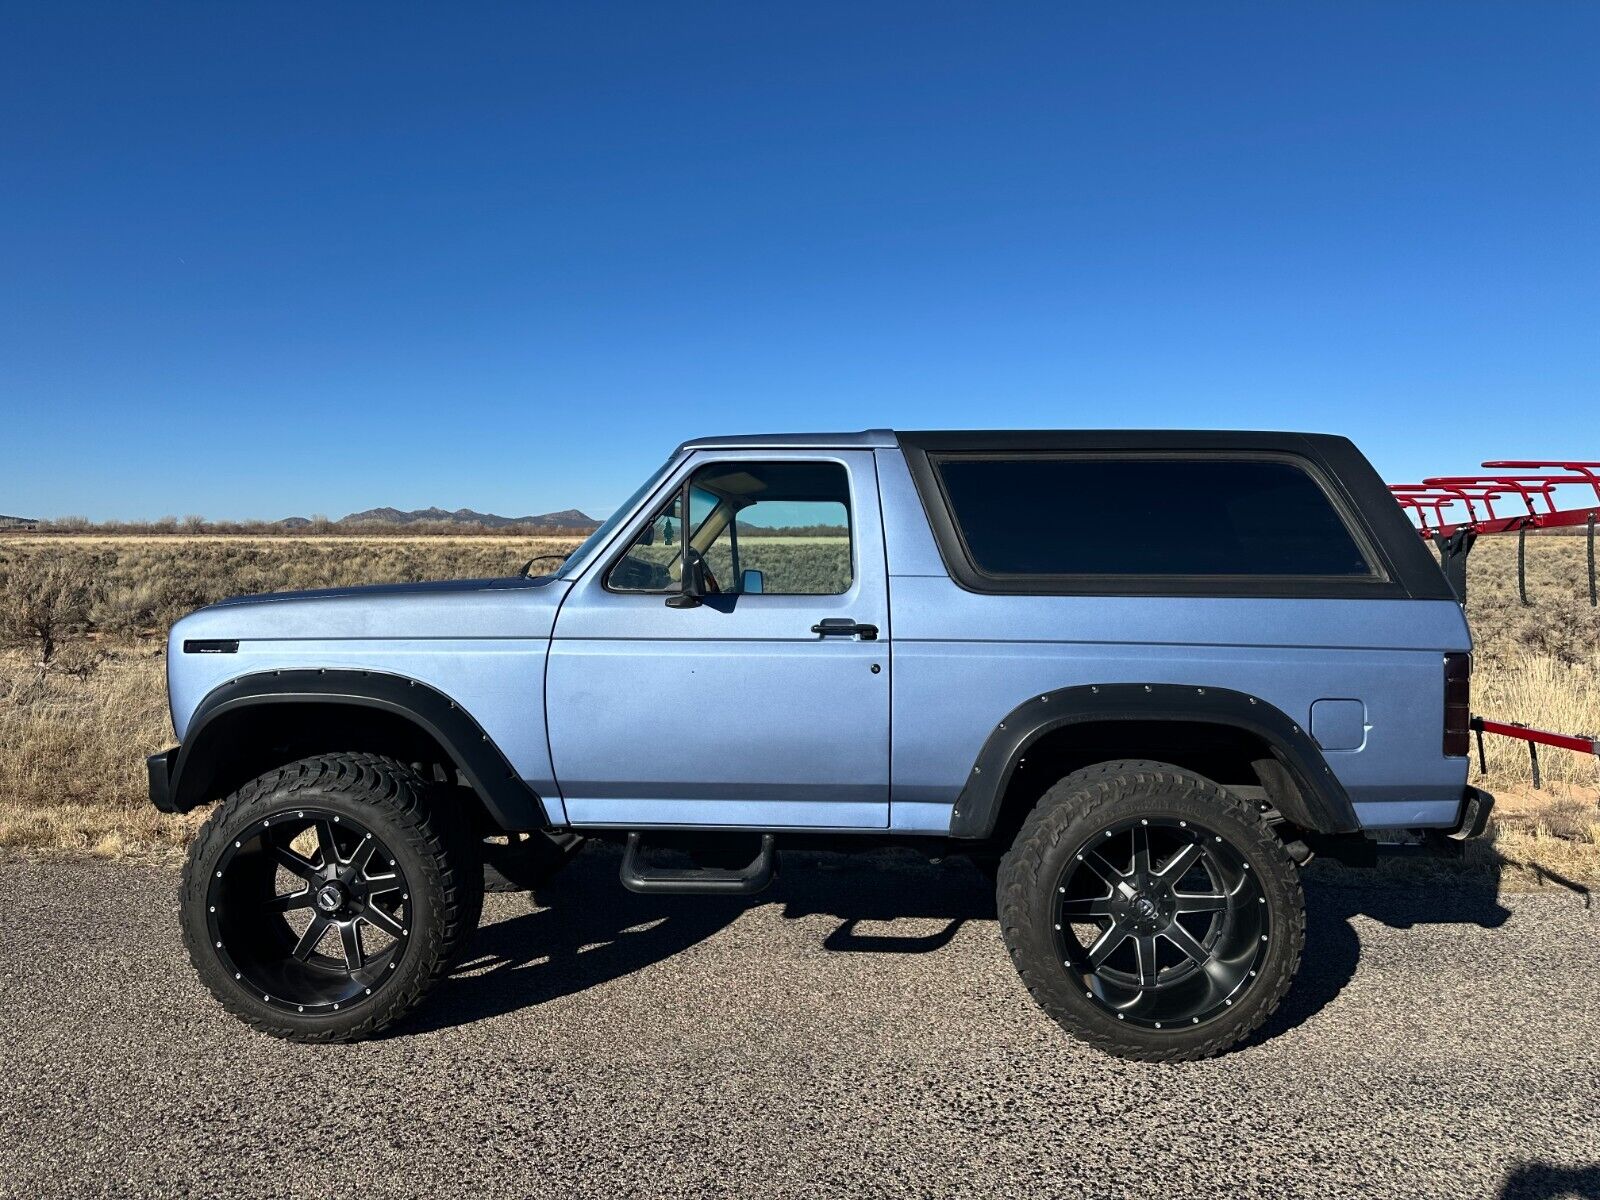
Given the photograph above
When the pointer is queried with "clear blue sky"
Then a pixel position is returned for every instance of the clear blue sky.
(290, 258)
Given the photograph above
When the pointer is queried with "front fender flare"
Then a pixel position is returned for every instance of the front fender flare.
(1322, 805)
(511, 802)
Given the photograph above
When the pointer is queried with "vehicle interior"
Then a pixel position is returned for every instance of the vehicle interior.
(725, 499)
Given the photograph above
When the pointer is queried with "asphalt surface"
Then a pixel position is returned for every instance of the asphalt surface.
(857, 1030)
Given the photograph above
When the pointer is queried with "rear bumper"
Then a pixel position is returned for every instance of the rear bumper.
(1476, 805)
(159, 767)
(1360, 850)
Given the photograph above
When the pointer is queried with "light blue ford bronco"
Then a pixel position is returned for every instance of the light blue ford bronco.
(1136, 677)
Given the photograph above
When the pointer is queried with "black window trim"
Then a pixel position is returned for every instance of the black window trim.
(924, 462)
(681, 490)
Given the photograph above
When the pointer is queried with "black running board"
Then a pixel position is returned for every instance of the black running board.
(694, 881)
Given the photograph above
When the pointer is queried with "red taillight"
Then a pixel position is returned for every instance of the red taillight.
(1457, 705)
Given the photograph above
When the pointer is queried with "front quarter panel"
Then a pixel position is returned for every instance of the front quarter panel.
(484, 650)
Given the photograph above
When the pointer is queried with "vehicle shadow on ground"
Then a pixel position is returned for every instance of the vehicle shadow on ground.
(1335, 898)
(955, 892)
(586, 930)
(883, 887)
(1546, 1181)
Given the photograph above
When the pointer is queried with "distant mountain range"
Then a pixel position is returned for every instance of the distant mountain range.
(569, 518)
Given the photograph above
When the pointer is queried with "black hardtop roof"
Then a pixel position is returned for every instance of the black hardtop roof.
(1112, 439)
(1026, 439)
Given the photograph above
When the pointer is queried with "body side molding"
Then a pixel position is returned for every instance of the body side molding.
(1323, 804)
(510, 801)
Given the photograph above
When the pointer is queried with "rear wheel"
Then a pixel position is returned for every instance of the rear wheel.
(322, 900)
(1151, 912)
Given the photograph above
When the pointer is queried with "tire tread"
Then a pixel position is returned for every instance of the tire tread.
(403, 793)
(1079, 796)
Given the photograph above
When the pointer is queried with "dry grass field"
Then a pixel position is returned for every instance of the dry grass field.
(75, 728)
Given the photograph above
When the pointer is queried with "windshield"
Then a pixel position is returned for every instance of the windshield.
(589, 543)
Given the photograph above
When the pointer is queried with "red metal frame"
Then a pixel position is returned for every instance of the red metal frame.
(1523, 733)
(1443, 505)
(1438, 494)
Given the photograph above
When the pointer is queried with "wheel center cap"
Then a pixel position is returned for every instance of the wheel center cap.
(329, 898)
(1146, 908)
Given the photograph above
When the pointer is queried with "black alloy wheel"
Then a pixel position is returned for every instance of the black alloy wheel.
(310, 910)
(1151, 912)
(323, 899)
(1162, 920)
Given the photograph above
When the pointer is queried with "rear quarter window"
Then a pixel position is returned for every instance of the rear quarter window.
(1211, 517)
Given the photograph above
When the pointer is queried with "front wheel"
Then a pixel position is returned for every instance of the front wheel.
(322, 900)
(1151, 912)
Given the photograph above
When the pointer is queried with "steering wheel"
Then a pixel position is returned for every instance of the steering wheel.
(707, 580)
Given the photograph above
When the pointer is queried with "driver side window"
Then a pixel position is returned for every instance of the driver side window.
(775, 528)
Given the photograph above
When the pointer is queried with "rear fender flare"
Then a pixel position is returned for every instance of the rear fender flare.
(1321, 805)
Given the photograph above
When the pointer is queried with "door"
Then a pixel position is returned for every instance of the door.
(762, 701)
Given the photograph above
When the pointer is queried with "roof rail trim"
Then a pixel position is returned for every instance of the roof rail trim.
(866, 439)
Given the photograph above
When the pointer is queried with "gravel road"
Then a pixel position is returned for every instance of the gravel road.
(857, 1031)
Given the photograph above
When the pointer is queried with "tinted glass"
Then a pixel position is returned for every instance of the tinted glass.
(1129, 516)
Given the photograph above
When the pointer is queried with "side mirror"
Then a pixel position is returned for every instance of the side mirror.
(694, 574)
(752, 582)
(693, 585)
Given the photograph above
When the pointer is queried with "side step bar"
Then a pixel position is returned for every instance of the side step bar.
(720, 881)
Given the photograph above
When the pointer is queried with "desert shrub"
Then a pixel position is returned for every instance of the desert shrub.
(1538, 663)
(141, 586)
(73, 776)
(1558, 621)
(1572, 818)
(78, 659)
(46, 600)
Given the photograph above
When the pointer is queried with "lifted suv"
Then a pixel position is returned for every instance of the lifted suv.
(1138, 677)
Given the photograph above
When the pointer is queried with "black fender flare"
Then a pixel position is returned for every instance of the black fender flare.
(511, 803)
(1318, 802)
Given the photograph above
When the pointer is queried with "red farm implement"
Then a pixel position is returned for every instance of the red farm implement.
(1509, 496)
(1452, 511)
